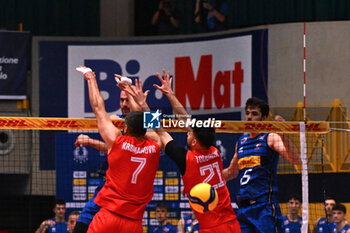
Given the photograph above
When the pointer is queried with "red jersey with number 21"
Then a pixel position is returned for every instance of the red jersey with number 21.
(129, 179)
(205, 166)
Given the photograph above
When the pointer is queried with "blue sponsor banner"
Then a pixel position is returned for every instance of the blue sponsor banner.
(14, 60)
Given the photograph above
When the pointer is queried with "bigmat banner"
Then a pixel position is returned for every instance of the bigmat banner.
(208, 75)
(14, 54)
(212, 74)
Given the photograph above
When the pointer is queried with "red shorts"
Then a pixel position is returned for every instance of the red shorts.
(229, 227)
(106, 221)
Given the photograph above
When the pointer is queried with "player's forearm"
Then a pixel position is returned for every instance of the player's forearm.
(43, 227)
(174, 21)
(219, 16)
(229, 174)
(155, 17)
(180, 226)
(98, 145)
(291, 150)
(232, 171)
(96, 100)
(178, 108)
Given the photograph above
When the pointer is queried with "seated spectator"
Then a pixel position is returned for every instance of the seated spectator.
(72, 220)
(338, 214)
(324, 224)
(56, 224)
(211, 15)
(188, 224)
(166, 18)
(162, 216)
(292, 222)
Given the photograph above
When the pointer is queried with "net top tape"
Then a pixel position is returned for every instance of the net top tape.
(39, 123)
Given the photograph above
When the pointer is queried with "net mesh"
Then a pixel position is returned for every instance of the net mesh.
(40, 163)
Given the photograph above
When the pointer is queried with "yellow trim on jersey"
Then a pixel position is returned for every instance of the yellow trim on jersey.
(247, 162)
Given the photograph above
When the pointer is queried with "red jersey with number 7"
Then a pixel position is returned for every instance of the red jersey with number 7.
(205, 166)
(129, 179)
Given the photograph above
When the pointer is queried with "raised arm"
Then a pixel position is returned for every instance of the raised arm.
(232, 171)
(105, 126)
(166, 89)
(283, 145)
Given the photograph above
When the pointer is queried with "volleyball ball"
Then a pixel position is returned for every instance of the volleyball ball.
(203, 198)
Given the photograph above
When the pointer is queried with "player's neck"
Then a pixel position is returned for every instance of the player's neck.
(253, 135)
(329, 218)
(292, 217)
(59, 219)
(340, 225)
(163, 223)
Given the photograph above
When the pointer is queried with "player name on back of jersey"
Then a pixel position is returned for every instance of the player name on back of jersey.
(205, 158)
(139, 150)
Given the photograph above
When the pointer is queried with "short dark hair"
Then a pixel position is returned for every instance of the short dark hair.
(60, 202)
(162, 205)
(329, 198)
(134, 121)
(254, 102)
(295, 197)
(339, 206)
(76, 212)
(205, 135)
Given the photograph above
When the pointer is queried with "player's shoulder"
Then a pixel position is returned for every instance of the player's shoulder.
(320, 221)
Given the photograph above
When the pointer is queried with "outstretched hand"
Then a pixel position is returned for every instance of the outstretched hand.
(123, 82)
(86, 71)
(165, 81)
(137, 93)
(134, 91)
(279, 118)
(82, 140)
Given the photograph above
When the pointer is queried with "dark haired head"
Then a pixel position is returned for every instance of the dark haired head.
(330, 198)
(60, 202)
(134, 122)
(295, 197)
(76, 212)
(205, 135)
(254, 102)
(162, 205)
(339, 206)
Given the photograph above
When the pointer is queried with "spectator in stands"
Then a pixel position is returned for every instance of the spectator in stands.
(292, 222)
(188, 224)
(166, 18)
(72, 220)
(210, 15)
(324, 224)
(162, 216)
(56, 224)
(338, 214)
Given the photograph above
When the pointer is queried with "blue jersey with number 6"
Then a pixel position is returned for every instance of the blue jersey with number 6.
(257, 164)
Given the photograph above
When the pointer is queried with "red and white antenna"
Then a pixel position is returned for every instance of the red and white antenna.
(304, 68)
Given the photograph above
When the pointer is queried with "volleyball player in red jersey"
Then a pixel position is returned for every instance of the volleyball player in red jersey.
(201, 164)
(133, 160)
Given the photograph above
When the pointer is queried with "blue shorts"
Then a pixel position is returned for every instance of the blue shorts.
(260, 218)
(90, 208)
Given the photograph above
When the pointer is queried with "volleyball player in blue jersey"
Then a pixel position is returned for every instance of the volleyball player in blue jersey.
(325, 224)
(292, 222)
(255, 161)
(340, 223)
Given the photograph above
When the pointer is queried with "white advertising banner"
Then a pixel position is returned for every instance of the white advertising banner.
(209, 76)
